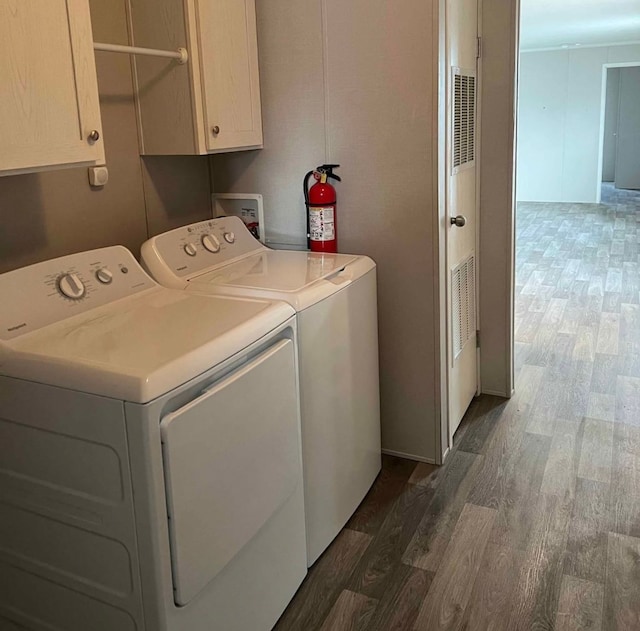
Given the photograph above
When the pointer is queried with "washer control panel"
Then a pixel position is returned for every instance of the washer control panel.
(198, 247)
(51, 291)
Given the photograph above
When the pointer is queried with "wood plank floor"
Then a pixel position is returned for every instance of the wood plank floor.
(534, 520)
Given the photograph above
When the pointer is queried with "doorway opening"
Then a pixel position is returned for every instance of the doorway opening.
(577, 273)
(620, 134)
(576, 286)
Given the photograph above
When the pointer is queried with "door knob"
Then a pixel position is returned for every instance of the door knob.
(458, 221)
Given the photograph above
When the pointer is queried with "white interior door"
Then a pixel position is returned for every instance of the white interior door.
(462, 88)
(628, 147)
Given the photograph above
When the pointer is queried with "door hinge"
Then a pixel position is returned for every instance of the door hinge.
(477, 339)
(478, 47)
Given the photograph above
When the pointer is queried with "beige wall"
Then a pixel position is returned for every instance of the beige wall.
(348, 83)
(355, 83)
(560, 111)
(499, 59)
(290, 40)
(55, 213)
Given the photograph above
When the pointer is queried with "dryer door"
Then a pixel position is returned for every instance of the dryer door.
(231, 458)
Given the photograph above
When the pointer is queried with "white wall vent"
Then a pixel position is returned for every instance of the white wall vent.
(464, 119)
(463, 284)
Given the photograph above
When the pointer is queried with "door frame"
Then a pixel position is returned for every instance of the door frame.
(498, 214)
(478, 152)
(500, 30)
(603, 101)
(439, 122)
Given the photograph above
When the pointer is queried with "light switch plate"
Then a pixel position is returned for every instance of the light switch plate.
(98, 176)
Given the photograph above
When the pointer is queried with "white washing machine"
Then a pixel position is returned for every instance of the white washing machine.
(150, 453)
(335, 297)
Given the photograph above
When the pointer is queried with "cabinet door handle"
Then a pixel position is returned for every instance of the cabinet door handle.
(94, 136)
(215, 130)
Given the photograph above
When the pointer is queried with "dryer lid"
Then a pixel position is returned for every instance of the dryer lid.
(137, 345)
(141, 348)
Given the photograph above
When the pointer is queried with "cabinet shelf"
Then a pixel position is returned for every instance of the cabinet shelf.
(211, 104)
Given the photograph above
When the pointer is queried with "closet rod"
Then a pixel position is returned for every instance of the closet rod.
(181, 55)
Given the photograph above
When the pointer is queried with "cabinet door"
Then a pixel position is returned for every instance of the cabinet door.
(48, 89)
(230, 82)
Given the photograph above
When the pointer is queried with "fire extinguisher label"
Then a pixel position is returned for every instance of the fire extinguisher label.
(322, 223)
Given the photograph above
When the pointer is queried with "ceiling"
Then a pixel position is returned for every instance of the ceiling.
(554, 23)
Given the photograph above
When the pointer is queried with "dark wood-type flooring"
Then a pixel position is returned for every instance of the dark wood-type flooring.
(534, 521)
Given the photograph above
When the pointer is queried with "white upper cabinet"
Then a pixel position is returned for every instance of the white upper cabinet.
(49, 106)
(212, 103)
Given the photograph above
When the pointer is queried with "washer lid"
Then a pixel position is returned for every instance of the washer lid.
(280, 270)
(300, 278)
(142, 346)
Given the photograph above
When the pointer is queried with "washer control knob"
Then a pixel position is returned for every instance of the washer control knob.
(104, 276)
(229, 237)
(70, 286)
(190, 249)
(211, 243)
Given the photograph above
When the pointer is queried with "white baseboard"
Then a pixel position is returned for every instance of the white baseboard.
(496, 393)
(400, 454)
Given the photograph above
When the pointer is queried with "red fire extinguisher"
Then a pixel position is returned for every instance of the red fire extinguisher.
(320, 200)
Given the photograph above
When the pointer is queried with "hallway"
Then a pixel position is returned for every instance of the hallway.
(534, 521)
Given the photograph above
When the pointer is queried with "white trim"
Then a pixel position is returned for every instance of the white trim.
(400, 454)
(478, 153)
(542, 50)
(603, 111)
(324, 16)
(440, 295)
(495, 393)
(622, 64)
(514, 80)
(446, 103)
(551, 201)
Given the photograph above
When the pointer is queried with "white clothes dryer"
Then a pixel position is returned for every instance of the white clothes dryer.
(150, 453)
(335, 297)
